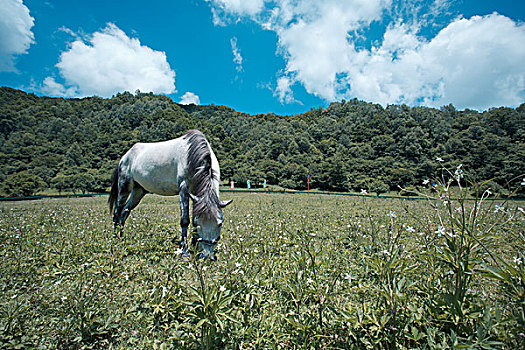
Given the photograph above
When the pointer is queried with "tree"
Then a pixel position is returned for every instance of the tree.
(22, 184)
(74, 144)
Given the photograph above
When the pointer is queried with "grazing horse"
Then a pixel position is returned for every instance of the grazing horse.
(185, 166)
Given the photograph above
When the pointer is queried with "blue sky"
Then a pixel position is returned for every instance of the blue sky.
(259, 56)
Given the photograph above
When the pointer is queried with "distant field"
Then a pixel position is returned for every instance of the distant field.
(293, 272)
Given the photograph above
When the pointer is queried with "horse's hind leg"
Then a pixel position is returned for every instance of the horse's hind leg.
(124, 189)
(137, 193)
(121, 202)
(184, 199)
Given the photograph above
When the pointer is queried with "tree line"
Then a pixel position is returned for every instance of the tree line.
(74, 144)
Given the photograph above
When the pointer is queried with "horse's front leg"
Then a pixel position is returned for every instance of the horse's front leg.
(184, 198)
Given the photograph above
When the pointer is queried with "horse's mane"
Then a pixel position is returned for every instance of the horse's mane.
(201, 174)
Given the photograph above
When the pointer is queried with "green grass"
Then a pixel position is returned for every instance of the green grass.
(293, 272)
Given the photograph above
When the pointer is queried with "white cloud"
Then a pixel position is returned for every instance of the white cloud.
(224, 9)
(52, 88)
(472, 63)
(189, 98)
(111, 62)
(237, 58)
(284, 91)
(15, 32)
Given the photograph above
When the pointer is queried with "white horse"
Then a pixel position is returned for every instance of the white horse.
(185, 166)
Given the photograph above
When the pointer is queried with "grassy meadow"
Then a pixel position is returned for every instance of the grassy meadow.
(294, 271)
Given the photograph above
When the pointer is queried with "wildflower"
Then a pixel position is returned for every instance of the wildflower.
(425, 182)
(450, 234)
(517, 260)
(523, 182)
(386, 252)
(179, 251)
(364, 192)
(498, 207)
(237, 265)
(410, 229)
(439, 159)
(348, 277)
(222, 288)
(440, 231)
(309, 280)
(392, 214)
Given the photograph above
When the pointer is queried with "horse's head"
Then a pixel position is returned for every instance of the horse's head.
(207, 224)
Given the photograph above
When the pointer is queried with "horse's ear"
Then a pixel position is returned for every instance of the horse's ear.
(222, 204)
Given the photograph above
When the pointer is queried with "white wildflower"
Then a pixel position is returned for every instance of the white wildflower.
(517, 260)
(440, 231)
(439, 159)
(364, 192)
(498, 207)
(392, 214)
(425, 182)
(348, 277)
(410, 229)
(309, 280)
(222, 288)
(450, 234)
(523, 182)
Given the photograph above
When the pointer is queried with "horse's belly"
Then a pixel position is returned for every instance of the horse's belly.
(164, 188)
(157, 179)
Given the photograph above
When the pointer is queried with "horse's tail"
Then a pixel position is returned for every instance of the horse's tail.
(112, 200)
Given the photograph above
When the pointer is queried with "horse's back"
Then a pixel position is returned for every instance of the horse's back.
(158, 167)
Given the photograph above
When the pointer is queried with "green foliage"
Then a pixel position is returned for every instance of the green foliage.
(73, 144)
(21, 184)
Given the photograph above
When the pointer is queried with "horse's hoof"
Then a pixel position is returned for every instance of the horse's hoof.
(206, 257)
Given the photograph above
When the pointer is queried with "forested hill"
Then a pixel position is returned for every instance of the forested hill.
(74, 144)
